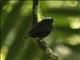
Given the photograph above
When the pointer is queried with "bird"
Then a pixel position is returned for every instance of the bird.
(40, 31)
(42, 28)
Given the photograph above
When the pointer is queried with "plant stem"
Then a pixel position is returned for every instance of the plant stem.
(35, 8)
(42, 44)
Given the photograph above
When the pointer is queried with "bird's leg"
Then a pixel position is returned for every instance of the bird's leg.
(42, 44)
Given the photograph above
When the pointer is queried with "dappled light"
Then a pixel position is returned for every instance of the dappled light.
(74, 22)
(9, 6)
(9, 39)
(17, 20)
(54, 4)
(74, 39)
(27, 6)
(60, 4)
(70, 3)
(63, 50)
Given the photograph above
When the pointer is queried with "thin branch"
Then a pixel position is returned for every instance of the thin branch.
(35, 8)
(42, 44)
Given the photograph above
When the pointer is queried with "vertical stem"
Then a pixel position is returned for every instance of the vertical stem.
(35, 7)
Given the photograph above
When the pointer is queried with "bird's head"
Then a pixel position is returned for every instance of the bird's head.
(48, 20)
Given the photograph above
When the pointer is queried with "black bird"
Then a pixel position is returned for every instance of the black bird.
(41, 29)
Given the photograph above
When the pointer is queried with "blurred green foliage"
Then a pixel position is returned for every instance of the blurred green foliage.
(16, 21)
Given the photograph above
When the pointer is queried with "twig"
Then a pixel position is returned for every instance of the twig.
(42, 44)
(35, 8)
